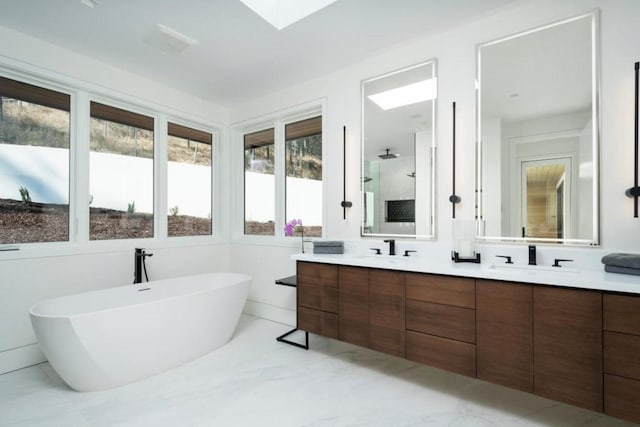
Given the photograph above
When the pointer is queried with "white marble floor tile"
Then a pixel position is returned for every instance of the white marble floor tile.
(256, 381)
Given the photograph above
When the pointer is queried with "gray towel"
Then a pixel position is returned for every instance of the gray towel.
(328, 250)
(622, 260)
(621, 270)
(322, 243)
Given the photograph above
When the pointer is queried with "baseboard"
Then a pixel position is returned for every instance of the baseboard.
(21, 357)
(270, 312)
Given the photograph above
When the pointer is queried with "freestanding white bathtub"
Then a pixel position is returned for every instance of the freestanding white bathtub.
(111, 337)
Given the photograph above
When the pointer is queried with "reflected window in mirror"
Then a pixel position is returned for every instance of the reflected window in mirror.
(538, 135)
(398, 140)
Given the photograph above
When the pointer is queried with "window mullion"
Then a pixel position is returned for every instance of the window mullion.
(279, 171)
(160, 181)
(79, 196)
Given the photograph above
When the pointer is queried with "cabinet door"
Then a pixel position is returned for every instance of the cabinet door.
(387, 317)
(621, 356)
(567, 350)
(504, 316)
(317, 286)
(353, 305)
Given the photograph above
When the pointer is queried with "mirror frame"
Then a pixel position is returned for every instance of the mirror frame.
(595, 149)
(432, 163)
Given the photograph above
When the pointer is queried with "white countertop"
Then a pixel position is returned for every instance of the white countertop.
(543, 275)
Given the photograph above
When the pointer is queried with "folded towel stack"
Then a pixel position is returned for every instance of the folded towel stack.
(328, 247)
(622, 263)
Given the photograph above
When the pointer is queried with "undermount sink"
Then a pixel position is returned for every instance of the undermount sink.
(531, 269)
(384, 257)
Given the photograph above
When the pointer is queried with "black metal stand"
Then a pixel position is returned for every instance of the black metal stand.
(282, 338)
(293, 282)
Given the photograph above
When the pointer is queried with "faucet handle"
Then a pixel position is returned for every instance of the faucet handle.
(507, 257)
(407, 252)
(377, 251)
(557, 261)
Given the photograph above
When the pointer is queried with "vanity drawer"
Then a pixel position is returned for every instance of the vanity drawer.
(318, 322)
(622, 354)
(456, 291)
(442, 353)
(621, 313)
(310, 273)
(442, 320)
(318, 297)
(621, 398)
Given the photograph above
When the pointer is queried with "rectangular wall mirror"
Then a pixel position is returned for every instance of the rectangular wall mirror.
(398, 144)
(537, 133)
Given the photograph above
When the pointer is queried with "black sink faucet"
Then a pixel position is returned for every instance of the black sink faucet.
(392, 246)
(532, 255)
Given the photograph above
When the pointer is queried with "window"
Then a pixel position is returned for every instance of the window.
(121, 174)
(283, 178)
(34, 163)
(189, 181)
(303, 157)
(259, 183)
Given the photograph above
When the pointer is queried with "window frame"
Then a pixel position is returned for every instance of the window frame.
(112, 104)
(81, 94)
(215, 179)
(278, 121)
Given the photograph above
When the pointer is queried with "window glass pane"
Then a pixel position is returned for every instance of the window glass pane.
(189, 187)
(121, 181)
(34, 172)
(259, 183)
(303, 162)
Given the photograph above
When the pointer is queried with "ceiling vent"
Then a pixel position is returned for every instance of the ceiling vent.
(168, 40)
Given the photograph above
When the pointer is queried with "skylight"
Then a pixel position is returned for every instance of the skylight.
(282, 13)
(413, 93)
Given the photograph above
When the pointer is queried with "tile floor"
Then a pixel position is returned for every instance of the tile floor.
(255, 381)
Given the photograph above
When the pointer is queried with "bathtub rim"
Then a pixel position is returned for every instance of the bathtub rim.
(245, 278)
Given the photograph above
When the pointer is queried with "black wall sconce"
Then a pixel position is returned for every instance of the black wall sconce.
(345, 203)
(453, 198)
(635, 190)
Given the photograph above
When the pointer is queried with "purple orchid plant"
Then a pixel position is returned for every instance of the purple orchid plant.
(292, 227)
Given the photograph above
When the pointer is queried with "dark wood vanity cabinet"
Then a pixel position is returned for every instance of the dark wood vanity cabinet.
(504, 316)
(317, 295)
(576, 346)
(440, 321)
(567, 350)
(621, 323)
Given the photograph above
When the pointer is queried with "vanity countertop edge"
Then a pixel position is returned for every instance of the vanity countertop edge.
(583, 279)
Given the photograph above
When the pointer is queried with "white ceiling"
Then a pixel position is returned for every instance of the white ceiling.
(239, 56)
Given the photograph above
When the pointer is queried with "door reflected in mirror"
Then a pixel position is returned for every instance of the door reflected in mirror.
(398, 111)
(538, 135)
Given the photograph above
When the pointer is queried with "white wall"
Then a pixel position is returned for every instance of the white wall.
(36, 273)
(455, 51)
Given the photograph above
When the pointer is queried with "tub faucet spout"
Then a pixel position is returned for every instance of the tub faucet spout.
(140, 265)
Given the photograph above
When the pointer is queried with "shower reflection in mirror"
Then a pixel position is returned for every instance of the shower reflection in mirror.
(538, 134)
(398, 111)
